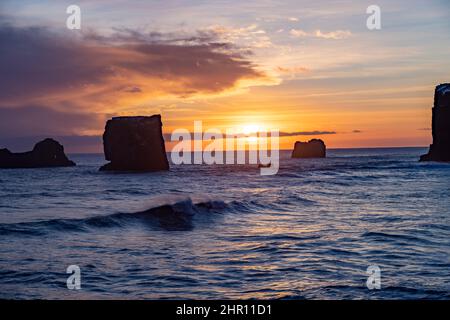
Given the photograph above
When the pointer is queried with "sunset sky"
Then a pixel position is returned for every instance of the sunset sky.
(311, 69)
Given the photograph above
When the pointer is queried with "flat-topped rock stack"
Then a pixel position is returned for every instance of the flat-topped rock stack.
(134, 144)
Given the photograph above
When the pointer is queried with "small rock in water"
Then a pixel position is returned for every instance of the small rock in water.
(47, 153)
(314, 148)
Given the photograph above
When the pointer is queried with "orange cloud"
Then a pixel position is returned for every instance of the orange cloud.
(335, 35)
(102, 74)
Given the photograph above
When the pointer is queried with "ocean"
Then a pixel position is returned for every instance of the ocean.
(226, 232)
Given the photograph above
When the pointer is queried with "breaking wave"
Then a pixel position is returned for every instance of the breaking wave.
(173, 215)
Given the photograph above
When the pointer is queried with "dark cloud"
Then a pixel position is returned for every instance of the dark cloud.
(38, 120)
(167, 136)
(129, 36)
(37, 64)
(306, 133)
(133, 89)
(356, 131)
(72, 144)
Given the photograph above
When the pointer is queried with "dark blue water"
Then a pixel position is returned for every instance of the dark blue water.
(226, 232)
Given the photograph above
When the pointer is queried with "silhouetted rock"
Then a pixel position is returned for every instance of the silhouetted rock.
(134, 144)
(47, 153)
(440, 149)
(314, 148)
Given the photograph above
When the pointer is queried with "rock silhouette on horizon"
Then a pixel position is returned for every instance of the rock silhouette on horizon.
(134, 144)
(46, 153)
(314, 148)
(440, 148)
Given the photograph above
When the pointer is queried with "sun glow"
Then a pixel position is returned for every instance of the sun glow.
(251, 132)
(251, 129)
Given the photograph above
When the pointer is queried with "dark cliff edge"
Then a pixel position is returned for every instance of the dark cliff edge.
(314, 148)
(440, 148)
(47, 153)
(134, 144)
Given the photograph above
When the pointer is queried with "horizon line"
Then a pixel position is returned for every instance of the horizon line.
(351, 148)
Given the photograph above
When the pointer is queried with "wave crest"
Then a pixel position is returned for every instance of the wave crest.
(171, 214)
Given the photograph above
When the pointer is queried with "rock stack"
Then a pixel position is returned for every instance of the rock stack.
(134, 144)
(440, 149)
(314, 148)
(47, 153)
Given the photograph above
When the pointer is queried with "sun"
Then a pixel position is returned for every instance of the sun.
(251, 129)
